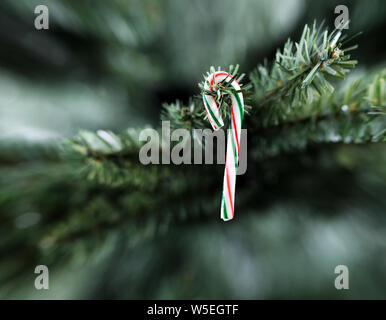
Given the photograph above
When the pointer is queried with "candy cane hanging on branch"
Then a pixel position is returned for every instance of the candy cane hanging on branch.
(216, 87)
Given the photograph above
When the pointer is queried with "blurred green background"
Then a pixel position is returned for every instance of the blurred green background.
(111, 65)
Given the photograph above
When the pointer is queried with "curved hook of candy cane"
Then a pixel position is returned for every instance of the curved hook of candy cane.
(233, 141)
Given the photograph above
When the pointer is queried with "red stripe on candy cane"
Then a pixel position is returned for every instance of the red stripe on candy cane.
(234, 126)
(229, 191)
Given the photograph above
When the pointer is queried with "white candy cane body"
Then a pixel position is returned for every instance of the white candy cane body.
(233, 141)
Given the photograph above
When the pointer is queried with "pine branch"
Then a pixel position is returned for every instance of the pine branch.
(91, 224)
(83, 220)
(300, 74)
(287, 121)
(352, 115)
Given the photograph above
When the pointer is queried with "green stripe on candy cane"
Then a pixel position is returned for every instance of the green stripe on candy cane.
(208, 109)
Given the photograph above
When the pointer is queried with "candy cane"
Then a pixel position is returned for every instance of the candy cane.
(233, 143)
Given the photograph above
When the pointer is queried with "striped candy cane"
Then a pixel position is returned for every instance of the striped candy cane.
(233, 143)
